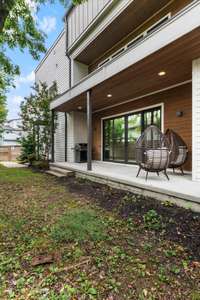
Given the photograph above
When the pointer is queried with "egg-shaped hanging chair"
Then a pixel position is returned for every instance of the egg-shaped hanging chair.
(152, 151)
(178, 149)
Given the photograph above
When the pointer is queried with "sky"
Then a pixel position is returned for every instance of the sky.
(49, 19)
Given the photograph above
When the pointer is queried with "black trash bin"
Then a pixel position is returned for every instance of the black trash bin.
(80, 152)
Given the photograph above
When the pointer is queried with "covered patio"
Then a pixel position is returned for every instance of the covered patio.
(124, 176)
(161, 70)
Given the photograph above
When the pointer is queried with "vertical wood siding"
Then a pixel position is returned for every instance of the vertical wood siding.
(81, 16)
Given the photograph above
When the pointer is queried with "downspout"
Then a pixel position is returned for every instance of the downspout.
(70, 85)
(67, 53)
(52, 135)
(66, 127)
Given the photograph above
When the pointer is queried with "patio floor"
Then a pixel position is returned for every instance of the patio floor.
(178, 186)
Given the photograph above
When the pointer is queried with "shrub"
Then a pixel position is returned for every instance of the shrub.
(27, 149)
(79, 225)
(152, 220)
(40, 164)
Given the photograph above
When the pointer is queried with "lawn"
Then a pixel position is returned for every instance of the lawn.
(71, 239)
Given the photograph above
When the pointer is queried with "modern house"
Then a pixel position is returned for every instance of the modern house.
(10, 147)
(120, 66)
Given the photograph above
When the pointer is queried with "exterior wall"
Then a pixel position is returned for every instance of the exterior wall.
(55, 67)
(112, 9)
(177, 99)
(173, 8)
(76, 132)
(196, 119)
(59, 138)
(79, 71)
(82, 16)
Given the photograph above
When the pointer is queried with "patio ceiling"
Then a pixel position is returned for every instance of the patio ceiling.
(142, 78)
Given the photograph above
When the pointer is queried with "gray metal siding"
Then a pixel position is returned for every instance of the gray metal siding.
(82, 16)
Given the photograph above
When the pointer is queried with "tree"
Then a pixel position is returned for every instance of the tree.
(36, 121)
(19, 29)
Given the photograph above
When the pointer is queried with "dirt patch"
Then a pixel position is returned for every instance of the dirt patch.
(180, 225)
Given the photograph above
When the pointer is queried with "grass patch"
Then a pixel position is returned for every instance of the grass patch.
(79, 225)
(16, 175)
(40, 216)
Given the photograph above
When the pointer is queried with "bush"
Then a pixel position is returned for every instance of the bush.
(27, 149)
(40, 164)
(79, 225)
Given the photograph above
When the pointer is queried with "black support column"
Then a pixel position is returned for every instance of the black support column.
(89, 131)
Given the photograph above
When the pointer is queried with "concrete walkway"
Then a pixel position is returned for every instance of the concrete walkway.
(12, 164)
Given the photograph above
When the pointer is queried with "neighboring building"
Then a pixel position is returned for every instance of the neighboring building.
(9, 144)
(130, 63)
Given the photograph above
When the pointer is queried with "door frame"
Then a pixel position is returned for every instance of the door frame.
(161, 105)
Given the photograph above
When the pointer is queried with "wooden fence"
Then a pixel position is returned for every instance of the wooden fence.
(9, 153)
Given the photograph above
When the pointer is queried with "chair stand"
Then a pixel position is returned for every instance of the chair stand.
(165, 172)
(182, 171)
(138, 172)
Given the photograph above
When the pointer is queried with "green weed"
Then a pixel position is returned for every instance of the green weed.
(152, 220)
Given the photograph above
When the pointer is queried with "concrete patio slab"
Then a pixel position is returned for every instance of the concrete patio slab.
(178, 187)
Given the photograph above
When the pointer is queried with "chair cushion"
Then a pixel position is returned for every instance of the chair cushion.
(157, 159)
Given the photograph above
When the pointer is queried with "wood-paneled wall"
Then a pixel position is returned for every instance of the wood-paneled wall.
(177, 99)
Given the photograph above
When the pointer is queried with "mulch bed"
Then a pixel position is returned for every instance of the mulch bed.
(180, 225)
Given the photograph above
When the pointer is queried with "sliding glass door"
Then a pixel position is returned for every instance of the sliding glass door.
(121, 133)
(134, 129)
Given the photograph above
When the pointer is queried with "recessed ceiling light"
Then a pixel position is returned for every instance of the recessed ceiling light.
(109, 95)
(79, 107)
(162, 73)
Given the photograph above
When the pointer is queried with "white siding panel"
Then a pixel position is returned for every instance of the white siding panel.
(76, 132)
(82, 15)
(70, 137)
(196, 120)
(55, 67)
(59, 138)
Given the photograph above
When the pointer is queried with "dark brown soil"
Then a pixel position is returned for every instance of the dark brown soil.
(180, 225)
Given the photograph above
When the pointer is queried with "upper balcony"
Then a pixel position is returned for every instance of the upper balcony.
(97, 29)
(134, 72)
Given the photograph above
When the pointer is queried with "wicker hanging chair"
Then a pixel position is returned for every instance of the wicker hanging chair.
(179, 150)
(152, 151)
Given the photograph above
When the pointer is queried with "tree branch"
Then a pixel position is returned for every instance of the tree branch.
(5, 8)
